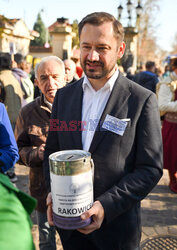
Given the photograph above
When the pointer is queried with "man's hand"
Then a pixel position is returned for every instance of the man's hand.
(97, 213)
(49, 209)
(41, 151)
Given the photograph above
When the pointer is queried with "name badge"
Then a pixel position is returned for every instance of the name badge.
(115, 125)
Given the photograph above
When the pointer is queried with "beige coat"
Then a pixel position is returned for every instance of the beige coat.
(13, 94)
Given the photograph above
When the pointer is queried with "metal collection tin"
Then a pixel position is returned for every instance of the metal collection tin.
(71, 173)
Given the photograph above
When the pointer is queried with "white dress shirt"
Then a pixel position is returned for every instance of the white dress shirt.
(49, 104)
(93, 105)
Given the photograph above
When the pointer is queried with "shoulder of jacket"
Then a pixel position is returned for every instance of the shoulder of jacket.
(138, 90)
(30, 106)
(7, 75)
(70, 87)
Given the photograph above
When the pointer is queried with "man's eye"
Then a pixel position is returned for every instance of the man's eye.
(102, 48)
(43, 78)
(55, 77)
(86, 47)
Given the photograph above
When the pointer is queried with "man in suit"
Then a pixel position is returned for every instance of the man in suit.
(125, 144)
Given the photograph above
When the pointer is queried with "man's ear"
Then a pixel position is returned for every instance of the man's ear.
(121, 50)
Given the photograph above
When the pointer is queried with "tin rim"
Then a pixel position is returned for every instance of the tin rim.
(83, 154)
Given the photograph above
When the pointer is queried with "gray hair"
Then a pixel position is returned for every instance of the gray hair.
(36, 69)
(46, 59)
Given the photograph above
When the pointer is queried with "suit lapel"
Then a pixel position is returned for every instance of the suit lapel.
(77, 114)
(116, 106)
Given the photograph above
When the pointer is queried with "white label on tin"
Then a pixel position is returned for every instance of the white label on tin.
(72, 195)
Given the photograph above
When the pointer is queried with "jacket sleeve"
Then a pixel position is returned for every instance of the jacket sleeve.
(28, 154)
(52, 143)
(147, 165)
(8, 147)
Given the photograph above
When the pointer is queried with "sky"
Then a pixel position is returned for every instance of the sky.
(164, 21)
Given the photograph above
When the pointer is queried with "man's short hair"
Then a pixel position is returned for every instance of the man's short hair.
(46, 59)
(5, 61)
(150, 64)
(19, 58)
(98, 18)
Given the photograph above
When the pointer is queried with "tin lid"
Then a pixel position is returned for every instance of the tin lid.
(69, 155)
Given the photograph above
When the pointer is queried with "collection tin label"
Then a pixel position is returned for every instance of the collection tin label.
(72, 195)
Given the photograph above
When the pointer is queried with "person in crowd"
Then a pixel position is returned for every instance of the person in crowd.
(15, 206)
(28, 68)
(167, 100)
(8, 147)
(13, 92)
(79, 70)
(130, 73)
(148, 79)
(37, 91)
(166, 71)
(70, 71)
(23, 78)
(31, 132)
(15, 223)
(139, 69)
(13, 96)
(158, 72)
(126, 144)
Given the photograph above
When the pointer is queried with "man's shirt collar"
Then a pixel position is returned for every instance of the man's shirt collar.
(108, 85)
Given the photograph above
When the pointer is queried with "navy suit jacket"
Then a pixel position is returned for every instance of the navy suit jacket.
(126, 167)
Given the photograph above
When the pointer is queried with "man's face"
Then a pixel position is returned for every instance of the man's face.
(70, 71)
(50, 78)
(99, 50)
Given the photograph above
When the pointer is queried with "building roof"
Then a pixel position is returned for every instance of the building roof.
(60, 22)
(7, 23)
(10, 24)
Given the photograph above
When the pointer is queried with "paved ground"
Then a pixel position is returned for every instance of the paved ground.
(22, 174)
(159, 210)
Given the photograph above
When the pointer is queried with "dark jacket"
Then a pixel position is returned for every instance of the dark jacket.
(147, 79)
(126, 167)
(73, 80)
(30, 132)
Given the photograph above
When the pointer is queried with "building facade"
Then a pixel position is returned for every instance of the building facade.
(15, 37)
